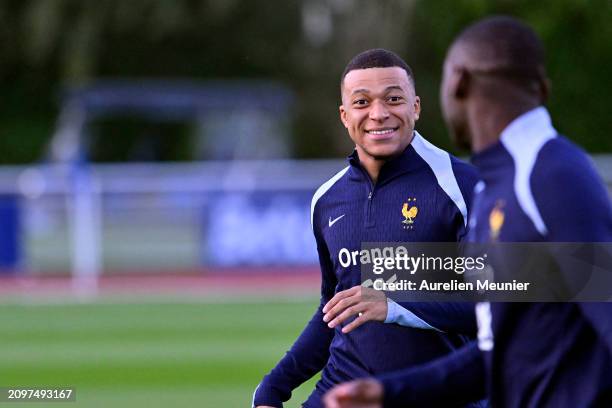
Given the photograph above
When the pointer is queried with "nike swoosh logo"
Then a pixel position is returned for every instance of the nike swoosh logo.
(332, 222)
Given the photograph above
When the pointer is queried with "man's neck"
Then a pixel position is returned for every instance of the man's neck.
(371, 165)
(488, 120)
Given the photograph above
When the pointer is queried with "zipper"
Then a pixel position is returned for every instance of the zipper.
(369, 221)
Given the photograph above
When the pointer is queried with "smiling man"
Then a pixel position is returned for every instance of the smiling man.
(398, 187)
(379, 109)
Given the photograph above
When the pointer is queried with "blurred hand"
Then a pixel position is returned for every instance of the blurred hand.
(367, 303)
(355, 394)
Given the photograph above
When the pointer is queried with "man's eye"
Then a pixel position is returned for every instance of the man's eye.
(360, 102)
(395, 99)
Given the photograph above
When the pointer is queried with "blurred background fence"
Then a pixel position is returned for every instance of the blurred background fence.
(71, 216)
(163, 217)
(166, 218)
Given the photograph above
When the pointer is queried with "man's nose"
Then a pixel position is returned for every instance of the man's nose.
(379, 111)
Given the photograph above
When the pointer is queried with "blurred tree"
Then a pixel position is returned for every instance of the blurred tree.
(303, 44)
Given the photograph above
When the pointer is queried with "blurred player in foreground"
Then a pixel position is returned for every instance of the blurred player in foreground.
(529, 354)
(397, 188)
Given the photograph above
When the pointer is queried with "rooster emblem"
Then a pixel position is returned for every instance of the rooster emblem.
(496, 219)
(409, 212)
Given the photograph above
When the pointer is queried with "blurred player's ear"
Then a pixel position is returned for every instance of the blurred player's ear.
(545, 88)
(343, 116)
(461, 83)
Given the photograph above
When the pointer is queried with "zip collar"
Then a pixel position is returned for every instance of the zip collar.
(405, 162)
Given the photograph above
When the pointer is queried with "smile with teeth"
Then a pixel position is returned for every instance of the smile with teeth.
(385, 131)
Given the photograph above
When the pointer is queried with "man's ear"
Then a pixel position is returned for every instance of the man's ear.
(343, 116)
(545, 88)
(461, 83)
(417, 108)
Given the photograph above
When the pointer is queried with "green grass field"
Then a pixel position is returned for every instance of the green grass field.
(149, 354)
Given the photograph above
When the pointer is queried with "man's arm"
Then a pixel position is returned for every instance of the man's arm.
(309, 353)
(372, 305)
(453, 380)
(450, 317)
(589, 200)
(306, 357)
(599, 314)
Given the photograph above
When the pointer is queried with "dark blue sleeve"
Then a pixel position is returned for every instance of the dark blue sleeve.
(570, 195)
(309, 353)
(449, 317)
(599, 314)
(588, 202)
(575, 207)
(453, 380)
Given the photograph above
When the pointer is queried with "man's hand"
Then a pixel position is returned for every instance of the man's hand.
(355, 394)
(367, 303)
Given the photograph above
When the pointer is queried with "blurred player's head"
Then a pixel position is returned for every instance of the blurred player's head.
(379, 104)
(495, 62)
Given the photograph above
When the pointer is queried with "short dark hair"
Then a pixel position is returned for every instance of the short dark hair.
(376, 58)
(505, 44)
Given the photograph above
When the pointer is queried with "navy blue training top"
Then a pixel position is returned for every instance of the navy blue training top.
(529, 354)
(346, 211)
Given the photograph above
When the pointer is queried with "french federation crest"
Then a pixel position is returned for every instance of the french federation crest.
(496, 220)
(409, 211)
